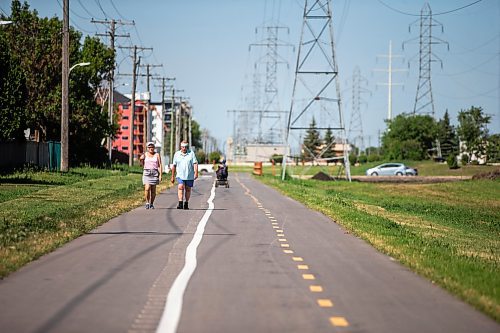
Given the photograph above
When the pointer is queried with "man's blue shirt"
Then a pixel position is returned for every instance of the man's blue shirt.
(184, 164)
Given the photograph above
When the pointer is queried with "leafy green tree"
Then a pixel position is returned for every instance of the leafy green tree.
(215, 156)
(493, 149)
(31, 74)
(201, 156)
(89, 123)
(409, 137)
(312, 141)
(472, 130)
(13, 94)
(447, 137)
(196, 134)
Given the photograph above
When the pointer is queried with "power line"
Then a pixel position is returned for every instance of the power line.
(100, 7)
(116, 9)
(85, 9)
(441, 13)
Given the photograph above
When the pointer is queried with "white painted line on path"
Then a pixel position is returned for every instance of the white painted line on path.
(173, 307)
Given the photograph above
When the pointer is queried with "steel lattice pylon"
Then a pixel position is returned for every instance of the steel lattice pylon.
(316, 91)
(424, 101)
(355, 132)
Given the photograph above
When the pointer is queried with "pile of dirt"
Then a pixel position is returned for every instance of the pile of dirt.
(488, 175)
(322, 176)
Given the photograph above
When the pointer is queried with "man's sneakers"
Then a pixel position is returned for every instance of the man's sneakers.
(181, 206)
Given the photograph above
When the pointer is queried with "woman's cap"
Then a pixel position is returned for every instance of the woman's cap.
(150, 143)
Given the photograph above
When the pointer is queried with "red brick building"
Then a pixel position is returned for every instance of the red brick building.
(121, 143)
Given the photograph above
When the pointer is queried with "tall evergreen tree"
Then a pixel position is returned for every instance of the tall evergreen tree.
(329, 142)
(312, 141)
(447, 136)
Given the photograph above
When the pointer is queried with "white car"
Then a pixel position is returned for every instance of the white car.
(391, 169)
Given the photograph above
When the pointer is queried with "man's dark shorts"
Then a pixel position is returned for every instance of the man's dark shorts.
(188, 183)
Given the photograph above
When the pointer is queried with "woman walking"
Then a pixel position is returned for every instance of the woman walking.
(151, 176)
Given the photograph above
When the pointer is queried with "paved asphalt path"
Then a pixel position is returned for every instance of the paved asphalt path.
(265, 263)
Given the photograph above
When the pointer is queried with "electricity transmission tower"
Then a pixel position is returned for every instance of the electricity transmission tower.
(316, 91)
(424, 102)
(355, 133)
(270, 109)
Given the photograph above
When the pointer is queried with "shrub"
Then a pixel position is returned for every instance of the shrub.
(464, 159)
(201, 156)
(362, 158)
(373, 158)
(214, 157)
(452, 161)
(278, 159)
(353, 159)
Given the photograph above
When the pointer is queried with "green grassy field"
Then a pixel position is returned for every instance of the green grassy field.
(447, 232)
(40, 211)
(425, 168)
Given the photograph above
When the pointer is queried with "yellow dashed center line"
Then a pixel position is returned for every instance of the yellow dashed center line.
(339, 321)
(315, 288)
(322, 302)
(325, 303)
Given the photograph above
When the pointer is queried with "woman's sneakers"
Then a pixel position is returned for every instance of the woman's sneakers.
(150, 206)
(179, 206)
(186, 205)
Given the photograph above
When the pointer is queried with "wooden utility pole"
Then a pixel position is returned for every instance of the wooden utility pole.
(148, 133)
(65, 90)
(163, 116)
(132, 101)
(112, 34)
(132, 111)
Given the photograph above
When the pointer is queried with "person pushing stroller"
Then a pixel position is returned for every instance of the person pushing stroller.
(222, 173)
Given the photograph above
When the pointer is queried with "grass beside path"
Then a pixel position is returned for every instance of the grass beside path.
(447, 232)
(41, 211)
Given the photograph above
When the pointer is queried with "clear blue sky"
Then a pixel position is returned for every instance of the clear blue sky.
(205, 45)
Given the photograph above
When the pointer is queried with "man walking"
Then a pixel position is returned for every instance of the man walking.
(185, 165)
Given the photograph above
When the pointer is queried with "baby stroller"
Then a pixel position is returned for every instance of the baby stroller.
(222, 175)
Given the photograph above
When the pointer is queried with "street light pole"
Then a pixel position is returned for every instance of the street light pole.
(65, 88)
(65, 101)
